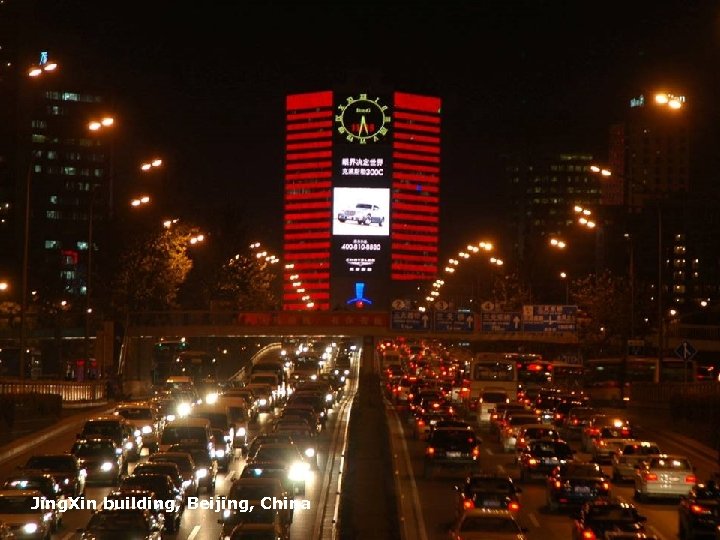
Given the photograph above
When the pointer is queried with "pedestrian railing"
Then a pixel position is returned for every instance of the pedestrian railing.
(70, 391)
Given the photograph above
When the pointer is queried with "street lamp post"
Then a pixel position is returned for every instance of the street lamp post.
(564, 277)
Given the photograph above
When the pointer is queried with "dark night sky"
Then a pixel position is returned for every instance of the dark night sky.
(204, 83)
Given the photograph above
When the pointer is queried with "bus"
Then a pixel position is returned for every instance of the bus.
(610, 379)
(534, 373)
(200, 366)
(567, 376)
(494, 373)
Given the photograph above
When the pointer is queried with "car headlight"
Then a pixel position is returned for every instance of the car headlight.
(129, 445)
(342, 379)
(310, 452)
(241, 432)
(30, 528)
(170, 417)
(211, 399)
(313, 377)
(66, 481)
(106, 467)
(118, 451)
(298, 471)
(226, 514)
(137, 432)
(346, 372)
(328, 397)
(227, 438)
(147, 430)
(186, 484)
(183, 409)
(47, 516)
(263, 402)
(201, 473)
(220, 453)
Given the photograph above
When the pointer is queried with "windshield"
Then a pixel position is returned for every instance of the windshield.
(265, 379)
(250, 493)
(178, 434)
(453, 436)
(18, 505)
(136, 414)
(51, 463)
(126, 520)
(93, 449)
(494, 397)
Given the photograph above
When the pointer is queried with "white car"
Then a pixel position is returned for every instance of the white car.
(363, 214)
(625, 460)
(664, 475)
(16, 510)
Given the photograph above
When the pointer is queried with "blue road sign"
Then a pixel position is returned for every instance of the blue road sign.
(410, 320)
(549, 318)
(454, 321)
(685, 351)
(501, 321)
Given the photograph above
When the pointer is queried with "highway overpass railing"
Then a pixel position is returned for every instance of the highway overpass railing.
(661, 394)
(71, 392)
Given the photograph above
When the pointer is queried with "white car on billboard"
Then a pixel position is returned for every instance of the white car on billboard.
(362, 214)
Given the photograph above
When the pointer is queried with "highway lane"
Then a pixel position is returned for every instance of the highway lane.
(201, 524)
(434, 499)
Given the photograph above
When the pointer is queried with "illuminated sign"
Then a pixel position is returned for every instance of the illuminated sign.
(360, 166)
(362, 119)
(361, 212)
(359, 300)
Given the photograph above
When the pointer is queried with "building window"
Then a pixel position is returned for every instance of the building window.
(69, 171)
(98, 173)
(52, 244)
(82, 245)
(52, 214)
(53, 199)
(69, 96)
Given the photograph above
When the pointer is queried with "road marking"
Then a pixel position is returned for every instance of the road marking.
(532, 518)
(489, 451)
(654, 531)
(194, 533)
(501, 470)
(68, 536)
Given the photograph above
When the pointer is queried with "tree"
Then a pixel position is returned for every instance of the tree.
(152, 271)
(510, 292)
(246, 283)
(604, 300)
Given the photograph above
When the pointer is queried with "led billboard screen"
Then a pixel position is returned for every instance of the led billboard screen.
(361, 212)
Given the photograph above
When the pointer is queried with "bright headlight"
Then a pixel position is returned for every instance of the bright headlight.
(147, 430)
(201, 473)
(118, 451)
(226, 514)
(129, 445)
(328, 397)
(106, 467)
(241, 432)
(262, 402)
(298, 471)
(310, 452)
(170, 417)
(342, 379)
(220, 453)
(211, 398)
(47, 516)
(66, 481)
(347, 372)
(183, 409)
(313, 377)
(136, 432)
(30, 528)
(186, 484)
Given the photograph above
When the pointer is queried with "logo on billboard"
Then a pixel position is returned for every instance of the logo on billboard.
(360, 265)
(359, 299)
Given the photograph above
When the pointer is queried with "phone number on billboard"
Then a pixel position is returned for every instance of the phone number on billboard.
(360, 247)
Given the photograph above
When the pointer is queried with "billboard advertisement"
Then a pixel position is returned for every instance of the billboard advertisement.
(361, 211)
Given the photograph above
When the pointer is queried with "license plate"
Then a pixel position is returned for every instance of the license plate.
(433, 422)
(549, 460)
(582, 489)
(454, 454)
(491, 503)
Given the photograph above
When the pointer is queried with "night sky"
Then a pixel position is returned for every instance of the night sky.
(204, 84)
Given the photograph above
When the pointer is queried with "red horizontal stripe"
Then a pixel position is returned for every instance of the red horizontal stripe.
(416, 177)
(318, 205)
(308, 216)
(415, 207)
(416, 147)
(399, 257)
(309, 126)
(324, 286)
(309, 100)
(297, 256)
(414, 117)
(415, 157)
(296, 185)
(411, 277)
(306, 276)
(307, 196)
(305, 165)
(416, 137)
(318, 295)
(407, 186)
(308, 175)
(323, 225)
(415, 167)
(413, 197)
(407, 126)
(308, 145)
(319, 306)
(412, 227)
(294, 156)
(417, 102)
(309, 115)
(307, 236)
(418, 238)
(304, 246)
(318, 135)
(309, 266)
(399, 217)
(413, 247)
(414, 268)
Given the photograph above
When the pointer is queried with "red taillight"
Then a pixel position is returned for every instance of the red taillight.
(651, 477)
(476, 451)
(575, 421)
(430, 451)
(410, 396)
(697, 509)
(605, 486)
(588, 535)
(690, 479)
(532, 461)
(513, 506)
(558, 484)
(421, 423)
(468, 504)
(464, 390)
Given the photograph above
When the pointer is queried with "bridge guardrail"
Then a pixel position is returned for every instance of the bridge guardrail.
(71, 392)
(657, 393)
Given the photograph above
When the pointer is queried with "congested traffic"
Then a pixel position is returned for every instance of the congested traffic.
(494, 458)
(248, 452)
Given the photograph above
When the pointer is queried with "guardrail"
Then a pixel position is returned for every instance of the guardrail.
(663, 392)
(71, 392)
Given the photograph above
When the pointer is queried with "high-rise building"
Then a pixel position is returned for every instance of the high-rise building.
(362, 182)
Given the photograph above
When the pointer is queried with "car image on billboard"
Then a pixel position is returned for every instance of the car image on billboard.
(361, 211)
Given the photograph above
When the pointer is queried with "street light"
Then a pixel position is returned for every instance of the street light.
(35, 72)
(94, 126)
(564, 277)
(140, 201)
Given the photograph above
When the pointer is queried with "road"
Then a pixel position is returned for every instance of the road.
(202, 524)
(428, 504)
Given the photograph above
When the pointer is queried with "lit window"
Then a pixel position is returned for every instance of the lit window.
(53, 199)
(52, 214)
(82, 245)
(69, 171)
(69, 96)
(52, 244)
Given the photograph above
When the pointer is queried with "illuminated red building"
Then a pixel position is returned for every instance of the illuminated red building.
(362, 186)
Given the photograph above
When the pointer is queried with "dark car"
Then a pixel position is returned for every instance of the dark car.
(606, 515)
(266, 438)
(487, 490)
(541, 456)
(451, 447)
(185, 463)
(275, 470)
(164, 489)
(118, 429)
(101, 460)
(576, 483)
(120, 496)
(122, 524)
(64, 468)
(161, 467)
(206, 467)
(699, 511)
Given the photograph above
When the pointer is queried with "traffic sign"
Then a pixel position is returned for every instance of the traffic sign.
(441, 305)
(549, 318)
(685, 351)
(454, 321)
(410, 320)
(502, 321)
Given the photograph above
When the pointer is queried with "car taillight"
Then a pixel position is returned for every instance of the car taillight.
(468, 504)
(420, 423)
(513, 506)
(588, 535)
(476, 451)
(430, 451)
(532, 461)
(593, 432)
(575, 421)
(690, 479)
(558, 484)
(651, 477)
(605, 486)
(697, 509)
(410, 396)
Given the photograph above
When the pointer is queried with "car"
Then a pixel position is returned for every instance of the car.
(425, 422)
(541, 456)
(267, 438)
(293, 479)
(164, 490)
(186, 464)
(223, 451)
(509, 433)
(698, 511)
(27, 519)
(161, 467)
(102, 460)
(497, 414)
(575, 483)
(362, 214)
(288, 453)
(626, 459)
(112, 524)
(451, 447)
(664, 475)
(258, 487)
(146, 419)
(246, 394)
(303, 438)
(566, 404)
(258, 531)
(533, 432)
(263, 519)
(607, 444)
(481, 523)
(598, 517)
(220, 418)
(42, 482)
(620, 428)
(486, 490)
(186, 430)
(576, 420)
(116, 428)
(264, 396)
(206, 467)
(119, 497)
(64, 468)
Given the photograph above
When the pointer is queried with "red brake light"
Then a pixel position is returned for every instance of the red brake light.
(558, 484)
(468, 504)
(430, 451)
(697, 509)
(476, 451)
(605, 486)
(513, 506)
(690, 479)
(421, 423)
(652, 477)
(532, 461)
(588, 535)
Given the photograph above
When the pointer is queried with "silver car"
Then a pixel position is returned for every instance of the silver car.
(626, 460)
(664, 475)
